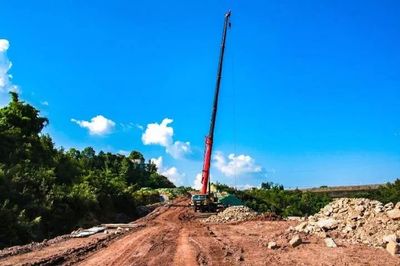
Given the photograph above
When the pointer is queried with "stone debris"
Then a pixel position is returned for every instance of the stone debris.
(295, 241)
(87, 232)
(232, 214)
(272, 245)
(393, 248)
(121, 225)
(355, 220)
(394, 214)
(388, 238)
(330, 243)
(296, 218)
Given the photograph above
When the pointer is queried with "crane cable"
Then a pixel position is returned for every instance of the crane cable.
(233, 104)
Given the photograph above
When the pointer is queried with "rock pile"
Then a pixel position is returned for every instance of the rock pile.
(356, 221)
(232, 214)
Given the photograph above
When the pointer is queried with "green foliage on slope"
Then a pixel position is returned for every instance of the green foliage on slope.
(46, 191)
(389, 192)
(273, 198)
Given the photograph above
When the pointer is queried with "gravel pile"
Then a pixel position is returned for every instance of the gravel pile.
(355, 221)
(232, 214)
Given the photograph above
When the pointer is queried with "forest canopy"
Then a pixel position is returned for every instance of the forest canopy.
(47, 191)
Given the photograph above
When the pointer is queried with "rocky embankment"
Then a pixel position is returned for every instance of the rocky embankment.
(355, 221)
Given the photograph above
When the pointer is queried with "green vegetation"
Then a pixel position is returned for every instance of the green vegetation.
(46, 191)
(173, 193)
(386, 193)
(273, 198)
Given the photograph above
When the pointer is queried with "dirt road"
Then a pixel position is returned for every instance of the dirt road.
(173, 235)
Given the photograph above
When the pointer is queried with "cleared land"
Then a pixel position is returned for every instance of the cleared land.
(174, 235)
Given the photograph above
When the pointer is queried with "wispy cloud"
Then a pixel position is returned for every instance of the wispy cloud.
(98, 125)
(123, 152)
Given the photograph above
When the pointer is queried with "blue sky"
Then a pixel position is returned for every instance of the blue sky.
(310, 93)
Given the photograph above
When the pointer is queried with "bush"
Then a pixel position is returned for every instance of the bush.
(273, 198)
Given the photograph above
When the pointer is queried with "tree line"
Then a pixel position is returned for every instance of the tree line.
(270, 197)
(47, 191)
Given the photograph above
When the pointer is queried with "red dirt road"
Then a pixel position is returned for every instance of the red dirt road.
(172, 235)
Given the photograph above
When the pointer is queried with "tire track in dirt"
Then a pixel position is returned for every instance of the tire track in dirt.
(185, 253)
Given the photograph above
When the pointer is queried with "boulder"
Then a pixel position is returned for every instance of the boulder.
(388, 206)
(330, 243)
(327, 224)
(272, 245)
(301, 226)
(295, 241)
(393, 248)
(388, 238)
(394, 214)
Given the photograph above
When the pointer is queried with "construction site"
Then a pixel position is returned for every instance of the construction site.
(212, 225)
(345, 232)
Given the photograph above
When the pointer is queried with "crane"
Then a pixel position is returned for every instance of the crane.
(205, 200)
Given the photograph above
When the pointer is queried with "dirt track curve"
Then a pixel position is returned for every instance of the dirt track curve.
(173, 235)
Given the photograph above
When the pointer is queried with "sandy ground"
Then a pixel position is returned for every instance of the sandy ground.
(173, 235)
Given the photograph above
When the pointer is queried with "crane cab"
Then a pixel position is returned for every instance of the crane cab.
(205, 202)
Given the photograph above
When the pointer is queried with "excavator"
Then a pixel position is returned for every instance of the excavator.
(207, 201)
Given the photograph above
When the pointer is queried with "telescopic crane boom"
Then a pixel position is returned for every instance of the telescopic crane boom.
(209, 139)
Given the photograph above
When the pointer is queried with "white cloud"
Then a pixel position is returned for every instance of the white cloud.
(174, 175)
(5, 65)
(235, 165)
(244, 187)
(98, 125)
(158, 162)
(197, 182)
(171, 173)
(159, 134)
(45, 103)
(162, 134)
(4, 45)
(123, 152)
(179, 149)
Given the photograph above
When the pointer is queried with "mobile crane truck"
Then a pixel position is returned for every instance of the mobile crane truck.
(207, 201)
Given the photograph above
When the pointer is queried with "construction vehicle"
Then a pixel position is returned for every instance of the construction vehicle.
(207, 201)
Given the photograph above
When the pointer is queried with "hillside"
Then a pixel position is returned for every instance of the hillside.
(45, 191)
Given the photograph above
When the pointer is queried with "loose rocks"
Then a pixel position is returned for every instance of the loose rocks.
(393, 248)
(295, 241)
(355, 221)
(233, 214)
(272, 245)
(330, 243)
(394, 214)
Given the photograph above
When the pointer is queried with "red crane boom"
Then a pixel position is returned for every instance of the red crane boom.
(209, 139)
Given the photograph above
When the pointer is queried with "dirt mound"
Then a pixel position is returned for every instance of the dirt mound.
(356, 221)
(232, 214)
